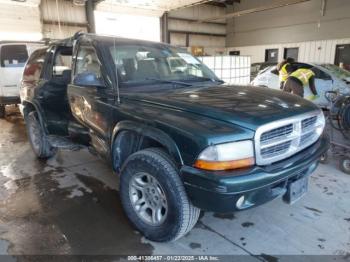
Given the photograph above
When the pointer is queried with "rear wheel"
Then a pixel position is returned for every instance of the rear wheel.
(344, 165)
(154, 198)
(2, 111)
(40, 145)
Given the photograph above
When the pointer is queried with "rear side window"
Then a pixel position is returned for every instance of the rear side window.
(34, 66)
(13, 55)
(62, 61)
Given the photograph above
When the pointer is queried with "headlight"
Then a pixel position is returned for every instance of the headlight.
(320, 124)
(227, 156)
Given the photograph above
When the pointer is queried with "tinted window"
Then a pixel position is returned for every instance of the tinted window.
(13, 55)
(34, 66)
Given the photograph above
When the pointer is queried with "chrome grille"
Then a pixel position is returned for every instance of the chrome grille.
(281, 139)
(276, 133)
(308, 123)
(271, 151)
(304, 138)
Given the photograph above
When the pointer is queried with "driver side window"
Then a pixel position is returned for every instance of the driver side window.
(87, 62)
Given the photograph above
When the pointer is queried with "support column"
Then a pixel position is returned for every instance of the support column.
(165, 36)
(89, 10)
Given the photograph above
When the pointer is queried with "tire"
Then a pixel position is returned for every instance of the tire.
(324, 159)
(176, 217)
(344, 165)
(2, 111)
(37, 138)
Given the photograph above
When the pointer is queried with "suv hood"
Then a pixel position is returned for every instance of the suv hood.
(246, 106)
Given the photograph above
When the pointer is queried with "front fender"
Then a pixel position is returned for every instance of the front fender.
(149, 132)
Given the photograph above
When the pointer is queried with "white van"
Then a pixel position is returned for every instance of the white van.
(13, 56)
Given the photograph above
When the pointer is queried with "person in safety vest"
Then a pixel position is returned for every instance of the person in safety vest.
(298, 80)
(284, 68)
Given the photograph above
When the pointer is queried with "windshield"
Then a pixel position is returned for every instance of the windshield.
(140, 65)
(336, 70)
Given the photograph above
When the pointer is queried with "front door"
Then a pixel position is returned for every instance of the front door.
(91, 99)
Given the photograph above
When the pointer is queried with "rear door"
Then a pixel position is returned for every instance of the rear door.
(12, 60)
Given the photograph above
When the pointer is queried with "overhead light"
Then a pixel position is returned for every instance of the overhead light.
(79, 2)
(22, 1)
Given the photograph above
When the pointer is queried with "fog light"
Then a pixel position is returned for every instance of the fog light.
(240, 202)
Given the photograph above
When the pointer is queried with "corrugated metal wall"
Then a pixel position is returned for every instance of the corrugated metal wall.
(311, 51)
(295, 23)
(62, 18)
(184, 31)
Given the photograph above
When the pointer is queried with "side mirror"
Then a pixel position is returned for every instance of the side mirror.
(88, 79)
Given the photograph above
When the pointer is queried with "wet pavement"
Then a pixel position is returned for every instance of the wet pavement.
(70, 205)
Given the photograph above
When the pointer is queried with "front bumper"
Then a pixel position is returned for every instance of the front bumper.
(219, 191)
(9, 100)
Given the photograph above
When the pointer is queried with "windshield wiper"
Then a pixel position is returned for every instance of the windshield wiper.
(205, 79)
(168, 81)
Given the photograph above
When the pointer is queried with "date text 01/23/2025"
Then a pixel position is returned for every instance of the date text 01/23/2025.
(173, 258)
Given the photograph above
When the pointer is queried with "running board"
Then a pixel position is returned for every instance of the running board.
(64, 143)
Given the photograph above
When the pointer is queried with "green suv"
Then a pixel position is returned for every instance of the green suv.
(177, 137)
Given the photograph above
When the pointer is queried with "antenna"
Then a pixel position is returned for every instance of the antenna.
(116, 70)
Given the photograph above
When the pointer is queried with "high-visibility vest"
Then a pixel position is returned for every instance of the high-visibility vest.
(283, 74)
(303, 75)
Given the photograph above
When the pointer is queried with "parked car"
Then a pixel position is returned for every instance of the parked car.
(13, 56)
(338, 72)
(326, 80)
(178, 141)
(255, 68)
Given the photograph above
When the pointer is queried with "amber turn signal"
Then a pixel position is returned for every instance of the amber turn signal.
(224, 165)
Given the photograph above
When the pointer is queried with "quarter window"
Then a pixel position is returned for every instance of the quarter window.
(34, 66)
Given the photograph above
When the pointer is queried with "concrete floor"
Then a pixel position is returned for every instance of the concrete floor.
(70, 205)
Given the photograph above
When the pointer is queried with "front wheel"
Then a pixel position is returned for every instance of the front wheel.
(154, 198)
(324, 159)
(2, 111)
(40, 145)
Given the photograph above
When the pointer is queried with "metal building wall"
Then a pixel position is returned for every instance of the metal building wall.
(62, 18)
(301, 22)
(184, 31)
(322, 51)
(20, 21)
